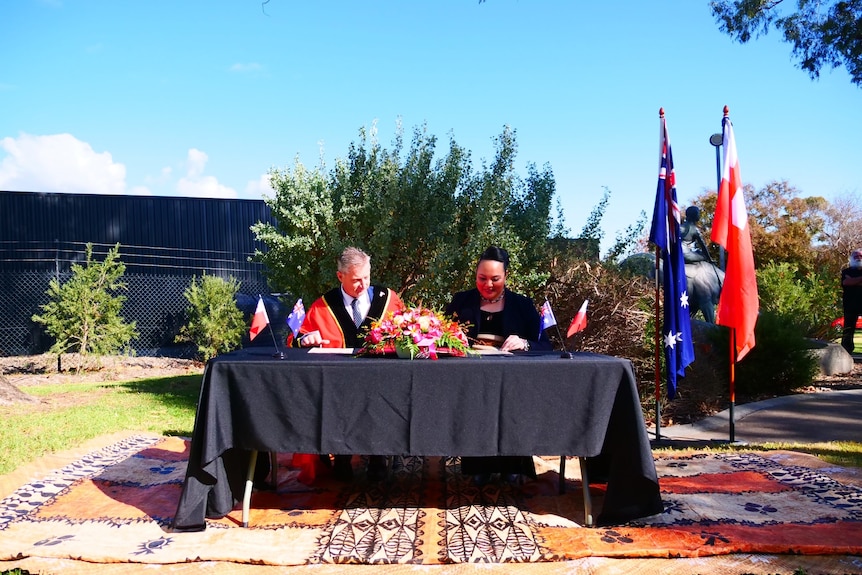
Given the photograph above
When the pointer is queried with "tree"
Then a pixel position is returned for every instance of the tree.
(784, 226)
(424, 219)
(825, 33)
(215, 323)
(842, 230)
(84, 313)
(810, 235)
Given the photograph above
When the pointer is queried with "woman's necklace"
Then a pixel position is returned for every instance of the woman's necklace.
(485, 300)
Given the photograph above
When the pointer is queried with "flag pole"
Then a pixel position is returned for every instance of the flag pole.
(657, 350)
(732, 425)
(278, 353)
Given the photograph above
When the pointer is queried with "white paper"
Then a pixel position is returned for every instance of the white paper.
(488, 350)
(338, 350)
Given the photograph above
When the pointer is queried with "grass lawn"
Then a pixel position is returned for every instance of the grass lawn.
(70, 414)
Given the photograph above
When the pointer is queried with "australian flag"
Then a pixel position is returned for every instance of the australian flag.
(548, 319)
(676, 327)
(294, 320)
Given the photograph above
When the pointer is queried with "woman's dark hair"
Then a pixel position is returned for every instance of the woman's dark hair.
(496, 254)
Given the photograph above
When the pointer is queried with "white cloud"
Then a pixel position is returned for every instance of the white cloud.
(58, 163)
(163, 178)
(196, 162)
(62, 163)
(256, 189)
(195, 184)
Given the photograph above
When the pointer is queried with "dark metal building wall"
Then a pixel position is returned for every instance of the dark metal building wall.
(164, 242)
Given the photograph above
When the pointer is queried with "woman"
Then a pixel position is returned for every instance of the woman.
(504, 319)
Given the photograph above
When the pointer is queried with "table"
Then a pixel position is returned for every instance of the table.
(528, 403)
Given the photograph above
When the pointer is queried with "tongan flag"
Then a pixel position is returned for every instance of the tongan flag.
(260, 319)
(579, 322)
(738, 304)
(548, 319)
(676, 326)
(294, 320)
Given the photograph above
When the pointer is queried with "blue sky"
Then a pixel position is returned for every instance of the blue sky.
(202, 98)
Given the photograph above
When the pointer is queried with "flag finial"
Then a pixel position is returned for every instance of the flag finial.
(661, 112)
(726, 111)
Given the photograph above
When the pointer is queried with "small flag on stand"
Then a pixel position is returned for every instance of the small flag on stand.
(548, 319)
(294, 320)
(579, 322)
(260, 319)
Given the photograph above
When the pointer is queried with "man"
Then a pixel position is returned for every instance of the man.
(337, 319)
(851, 285)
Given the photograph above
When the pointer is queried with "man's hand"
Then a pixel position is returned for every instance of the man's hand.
(312, 339)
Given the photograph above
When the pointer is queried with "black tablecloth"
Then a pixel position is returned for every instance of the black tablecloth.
(526, 404)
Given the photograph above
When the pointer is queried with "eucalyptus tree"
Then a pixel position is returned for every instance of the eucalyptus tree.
(822, 33)
(423, 217)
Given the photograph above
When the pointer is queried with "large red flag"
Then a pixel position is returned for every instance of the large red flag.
(738, 304)
(260, 319)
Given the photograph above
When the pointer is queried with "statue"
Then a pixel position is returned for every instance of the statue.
(703, 278)
(693, 248)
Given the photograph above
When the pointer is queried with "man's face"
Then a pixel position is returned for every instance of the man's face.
(856, 260)
(355, 280)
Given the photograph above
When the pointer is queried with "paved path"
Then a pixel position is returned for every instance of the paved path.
(804, 418)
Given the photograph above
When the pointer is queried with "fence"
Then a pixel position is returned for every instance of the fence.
(156, 279)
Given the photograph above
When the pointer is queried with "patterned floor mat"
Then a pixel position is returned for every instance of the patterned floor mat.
(115, 505)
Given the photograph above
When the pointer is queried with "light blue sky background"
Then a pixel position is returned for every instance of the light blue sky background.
(202, 98)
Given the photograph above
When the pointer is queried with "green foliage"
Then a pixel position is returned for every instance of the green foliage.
(424, 219)
(780, 362)
(83, 315)
(627, 242)
(593, 227)
(810, 302)
(822, 33)
(300, 256)
(215, 324)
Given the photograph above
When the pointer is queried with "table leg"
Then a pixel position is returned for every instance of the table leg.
(588, 502)
(562, 480)
(249, 483)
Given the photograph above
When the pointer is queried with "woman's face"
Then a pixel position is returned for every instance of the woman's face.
(490, 279)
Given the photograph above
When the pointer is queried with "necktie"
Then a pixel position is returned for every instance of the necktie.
(357, 317)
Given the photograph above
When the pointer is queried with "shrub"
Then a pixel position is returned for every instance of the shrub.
(83, 314)
(780, 362)
(215, 324)
(811, 301)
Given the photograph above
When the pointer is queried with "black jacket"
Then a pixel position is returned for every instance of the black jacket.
(519, 317)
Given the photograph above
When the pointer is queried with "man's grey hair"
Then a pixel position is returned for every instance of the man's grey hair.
(352, 257)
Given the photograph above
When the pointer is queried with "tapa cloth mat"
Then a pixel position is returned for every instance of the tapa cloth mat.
(115, 505)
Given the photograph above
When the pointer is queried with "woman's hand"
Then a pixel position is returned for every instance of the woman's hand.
(515, 343)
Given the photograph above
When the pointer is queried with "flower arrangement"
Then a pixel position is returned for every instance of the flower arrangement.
(415, 332)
